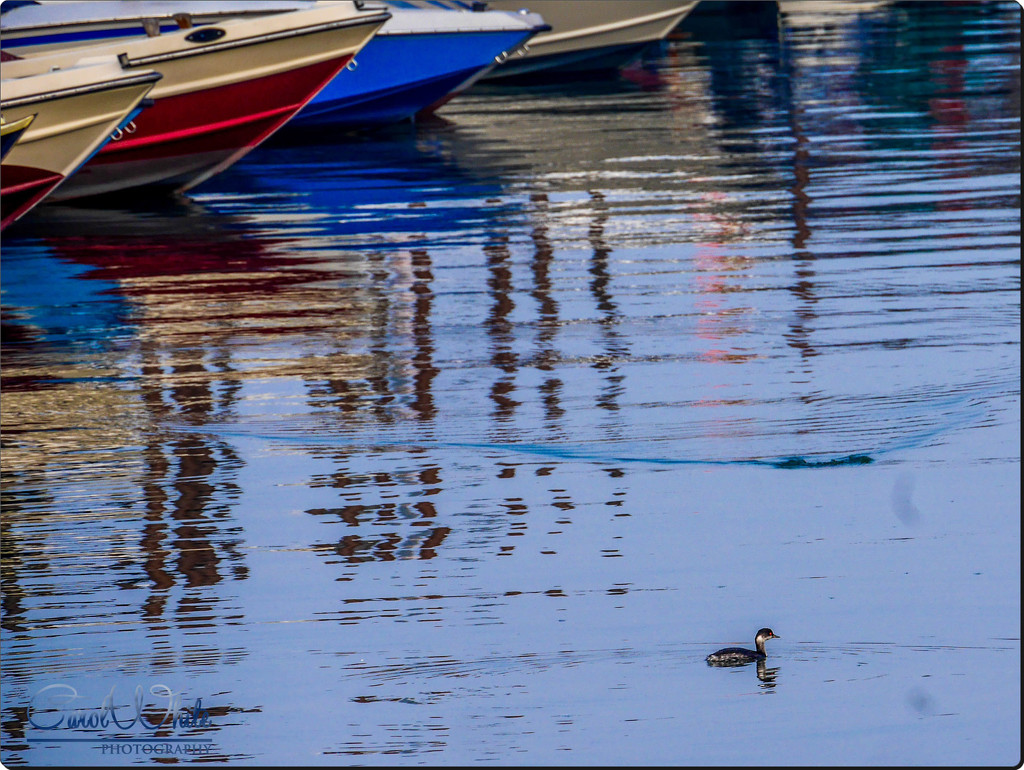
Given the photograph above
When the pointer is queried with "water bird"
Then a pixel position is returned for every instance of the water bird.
(736, 656)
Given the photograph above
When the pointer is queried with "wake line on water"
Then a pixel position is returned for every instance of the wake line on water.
(570, 454)
(947, 414)
(941, 410)
(546, 450)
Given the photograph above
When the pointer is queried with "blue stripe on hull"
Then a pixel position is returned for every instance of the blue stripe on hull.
(81, 37)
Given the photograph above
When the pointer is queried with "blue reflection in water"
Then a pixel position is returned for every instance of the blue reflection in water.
(368, 193)
(59, 303)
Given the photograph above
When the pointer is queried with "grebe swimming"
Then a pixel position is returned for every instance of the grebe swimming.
(730, 656)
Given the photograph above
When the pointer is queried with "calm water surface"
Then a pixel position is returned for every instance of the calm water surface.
(466, 442)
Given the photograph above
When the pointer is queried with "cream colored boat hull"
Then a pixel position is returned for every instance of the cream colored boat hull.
(73, 112)
(589, 35)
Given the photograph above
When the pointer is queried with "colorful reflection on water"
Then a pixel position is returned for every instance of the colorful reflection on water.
(466, 442)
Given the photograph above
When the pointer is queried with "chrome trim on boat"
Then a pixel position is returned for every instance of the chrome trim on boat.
(129, 80)
(144, 61)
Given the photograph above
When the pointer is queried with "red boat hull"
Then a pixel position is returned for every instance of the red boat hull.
(183, 140)
(23, 187)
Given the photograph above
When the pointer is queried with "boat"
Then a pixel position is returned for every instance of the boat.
(587, 37)
(423, 56)
(11, 132)
(226, 87)
(57, 119)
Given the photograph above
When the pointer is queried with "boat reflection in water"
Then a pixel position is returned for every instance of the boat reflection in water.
(184, 319)
(193, 313)
(467, 226)
(142, 350)
(375, 220)
(181, 317)
(469, 213)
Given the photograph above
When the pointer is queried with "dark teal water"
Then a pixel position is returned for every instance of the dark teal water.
(465, 442)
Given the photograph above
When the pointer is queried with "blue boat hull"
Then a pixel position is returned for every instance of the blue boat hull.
(399, 75)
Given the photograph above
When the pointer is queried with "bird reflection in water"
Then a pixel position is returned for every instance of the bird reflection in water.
(765, 674)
